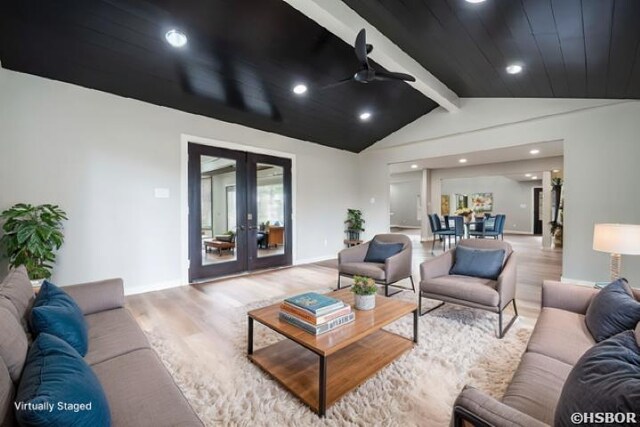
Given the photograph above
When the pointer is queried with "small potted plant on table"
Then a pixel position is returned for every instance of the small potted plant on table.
(365, 290)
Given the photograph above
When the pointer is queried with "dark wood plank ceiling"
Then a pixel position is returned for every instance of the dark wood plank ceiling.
(569, 48)
(241, 62)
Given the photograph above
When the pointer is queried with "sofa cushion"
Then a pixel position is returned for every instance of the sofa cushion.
(113, 333)
(379, 252)
(56, 313)
(369, 269)
(17, 288)
(472, 289)
(56, 374)
(605, 379)
(612, 310)
(485, 263)
(536, 386)
(7, 391)
(560, 334)
(142, 393)
(13, 345)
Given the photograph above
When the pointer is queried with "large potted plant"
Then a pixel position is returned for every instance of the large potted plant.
(32, 234)
(365, 290)
(354, 223)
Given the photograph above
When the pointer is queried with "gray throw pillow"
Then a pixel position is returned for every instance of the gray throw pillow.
(13, 345)
(612, 310)
(17, 288)
(484, 263)
(606, 379)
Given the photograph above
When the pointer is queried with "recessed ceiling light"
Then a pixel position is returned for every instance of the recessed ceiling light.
(299, 89)
(555, 170)
(475, 1)
(514, 69)
(462, 160)
(534, 151)
(534, 177)
(365, 116)
(176, 38)
(527, 175)
(414, 166)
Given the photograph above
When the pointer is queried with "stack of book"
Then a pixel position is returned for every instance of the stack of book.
(315, 313)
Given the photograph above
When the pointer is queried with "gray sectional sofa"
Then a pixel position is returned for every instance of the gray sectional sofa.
(559, 339)
(139, 389)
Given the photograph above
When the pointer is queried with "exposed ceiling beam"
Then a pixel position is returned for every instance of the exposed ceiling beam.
(338, 18)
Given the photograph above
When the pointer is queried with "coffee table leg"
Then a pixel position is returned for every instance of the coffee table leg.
(322, 389)
(415, 326)
(250, 337)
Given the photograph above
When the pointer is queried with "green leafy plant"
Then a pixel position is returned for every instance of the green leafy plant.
(354, 220)
(363, 285)
(32, 234)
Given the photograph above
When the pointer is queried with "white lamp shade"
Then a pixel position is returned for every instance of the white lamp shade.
(621, 239)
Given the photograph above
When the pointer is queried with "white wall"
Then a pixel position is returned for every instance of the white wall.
(601, 152)
(100, 157)
(510, 197)
(403, 199)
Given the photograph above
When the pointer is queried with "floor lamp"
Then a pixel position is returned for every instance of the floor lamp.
(617, 240)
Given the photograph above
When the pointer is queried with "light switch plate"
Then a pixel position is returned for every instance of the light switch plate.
(162, 193)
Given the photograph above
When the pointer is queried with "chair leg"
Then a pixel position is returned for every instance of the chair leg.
(420, 312)
(502, 332)
(412, 285)
(433, 245)
(339, 277)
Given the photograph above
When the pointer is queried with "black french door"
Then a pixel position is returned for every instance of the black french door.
(239, 212)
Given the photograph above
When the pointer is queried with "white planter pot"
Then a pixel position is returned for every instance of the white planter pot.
(365, 302)
(37, 283)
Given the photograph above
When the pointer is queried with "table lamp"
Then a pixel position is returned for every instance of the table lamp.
(616, 239)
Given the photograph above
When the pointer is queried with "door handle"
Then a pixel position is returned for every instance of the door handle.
(253, 227)
(241, 227)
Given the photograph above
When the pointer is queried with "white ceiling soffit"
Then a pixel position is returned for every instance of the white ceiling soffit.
(498, 155)
(339, 19)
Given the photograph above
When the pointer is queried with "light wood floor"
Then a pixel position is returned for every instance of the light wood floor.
(197, 316)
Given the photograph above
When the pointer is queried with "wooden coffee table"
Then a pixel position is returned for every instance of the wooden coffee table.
(319, 370)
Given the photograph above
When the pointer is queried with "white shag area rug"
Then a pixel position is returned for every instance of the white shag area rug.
(457, 346)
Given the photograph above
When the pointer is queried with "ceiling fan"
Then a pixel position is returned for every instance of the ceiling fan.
(366, 73)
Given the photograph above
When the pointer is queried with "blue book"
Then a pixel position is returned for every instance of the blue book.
(317, 329)
(315, 303)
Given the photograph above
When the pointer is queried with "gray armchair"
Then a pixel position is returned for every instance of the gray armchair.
(351, 263)
(492, 295)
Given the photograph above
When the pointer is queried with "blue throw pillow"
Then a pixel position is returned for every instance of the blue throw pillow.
(613, 310)
(56, 313)
(483, 263)
(379, 252)
(605, 379)
(58, 388)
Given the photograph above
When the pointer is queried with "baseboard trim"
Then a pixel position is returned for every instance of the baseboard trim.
(528, 233)
(412, 227)
(315, 259)
(154, 287)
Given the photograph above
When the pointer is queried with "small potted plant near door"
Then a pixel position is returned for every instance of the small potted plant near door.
(32, 234)
(354, 224)
(365, 290)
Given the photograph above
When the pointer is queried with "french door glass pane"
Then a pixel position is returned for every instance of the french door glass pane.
(270, 210)
(218, 209)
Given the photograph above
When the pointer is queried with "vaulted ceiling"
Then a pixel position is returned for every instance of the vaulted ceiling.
(243, 57)
(567, 48)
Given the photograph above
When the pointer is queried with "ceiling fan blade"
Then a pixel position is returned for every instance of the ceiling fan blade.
(390, 75)
(361, 48)
(338, 83)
